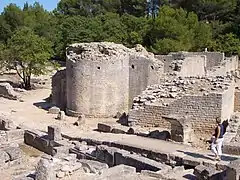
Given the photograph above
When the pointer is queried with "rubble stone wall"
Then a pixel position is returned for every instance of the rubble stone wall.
(237, 100)
(59, 89)
(167, 60)
(204, 109)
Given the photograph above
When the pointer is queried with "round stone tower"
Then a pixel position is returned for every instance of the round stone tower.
(97, 79)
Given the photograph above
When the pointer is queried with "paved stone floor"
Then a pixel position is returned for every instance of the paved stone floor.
(180, 150)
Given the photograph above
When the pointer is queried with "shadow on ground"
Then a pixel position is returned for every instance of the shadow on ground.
(208, 156)
(45, 104)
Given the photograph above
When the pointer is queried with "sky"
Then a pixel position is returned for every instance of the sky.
(47, 4)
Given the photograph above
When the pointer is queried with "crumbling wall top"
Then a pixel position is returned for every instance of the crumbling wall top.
(171, 89)
(104, 51)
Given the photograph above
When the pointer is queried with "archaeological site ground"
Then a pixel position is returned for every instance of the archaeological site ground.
(115, 113)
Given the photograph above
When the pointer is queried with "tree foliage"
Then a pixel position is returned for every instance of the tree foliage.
(28, 54)
(181, 25)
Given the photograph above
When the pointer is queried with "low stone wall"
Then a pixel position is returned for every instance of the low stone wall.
(232, 148)
(9, 131)
(114, 156)
(203, 109)
(50, 143)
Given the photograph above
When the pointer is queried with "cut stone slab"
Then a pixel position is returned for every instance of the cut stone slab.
(104, 127)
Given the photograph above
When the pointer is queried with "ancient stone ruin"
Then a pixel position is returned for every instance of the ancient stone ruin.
(161, 111)
(101, 79)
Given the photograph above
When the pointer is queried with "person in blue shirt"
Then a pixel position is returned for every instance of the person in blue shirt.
(216, 146)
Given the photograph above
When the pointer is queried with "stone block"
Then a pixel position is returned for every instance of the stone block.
(54, 133)
(163, 135)
(142, 163)
(4, 158)
(14, 153)
(120, 169)
(118, 130)
(233, 170)
(29, 137)
(208, 173)
(191, 161)
(7, 91)
(104, 127)
(16, 134)
(107, 154)
(6, 123)
(82, 119)
(45, 170)
(61, 115)
(59, 150)
(152, 174)
(93, 166)
(54, 110)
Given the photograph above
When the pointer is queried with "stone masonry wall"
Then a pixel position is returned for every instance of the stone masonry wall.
(98, 89)
(204, 109)
(193, 62)
(226, 66)
(59, 89)
(167, 60)
(237, 100)
(102, 78)
(193, 66)
(142, 72)
(213, 58)
(228, 102)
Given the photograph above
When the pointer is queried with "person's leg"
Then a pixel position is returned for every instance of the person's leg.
(213, 148)
(219, 146)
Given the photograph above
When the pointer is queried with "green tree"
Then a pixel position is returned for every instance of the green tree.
(94, 8)
(28, 54)
(40, 21)
(11, 18)
(135, 29)
(209, 9)
(228, 43)
(177, 30)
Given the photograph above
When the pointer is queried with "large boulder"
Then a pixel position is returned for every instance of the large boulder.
(7, 91)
